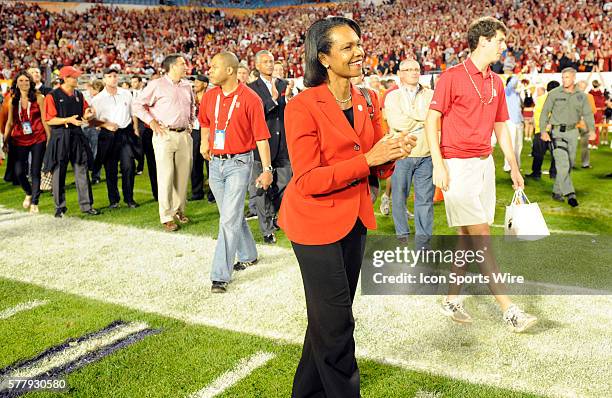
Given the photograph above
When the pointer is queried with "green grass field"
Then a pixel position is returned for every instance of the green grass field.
(182, 358)
(186, 357)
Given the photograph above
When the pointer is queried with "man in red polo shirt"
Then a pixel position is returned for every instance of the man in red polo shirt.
(233, 125)
(65, 112)
(469, 102)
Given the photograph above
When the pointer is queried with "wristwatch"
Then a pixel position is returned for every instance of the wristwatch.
(269, 169)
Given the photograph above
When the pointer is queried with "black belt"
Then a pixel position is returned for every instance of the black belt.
(226, 156)
(179, 130)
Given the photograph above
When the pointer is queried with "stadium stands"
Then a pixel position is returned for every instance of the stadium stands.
(546, 35)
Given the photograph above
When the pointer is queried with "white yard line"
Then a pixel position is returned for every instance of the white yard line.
(76, 351)
(568, 353)
(9, 312)
(228, 379)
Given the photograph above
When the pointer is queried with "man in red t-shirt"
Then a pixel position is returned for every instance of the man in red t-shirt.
(233, 125)
(469, 103)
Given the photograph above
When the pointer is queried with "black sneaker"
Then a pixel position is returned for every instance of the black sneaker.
(571, 200)
(218, 287)
(59, 213)
(91, 212)
(250, 216)
(132, 205)
(275, 224)
(587, 166)
(270, 239)
(211, 197)
(113, 206)
(242, 265)
(558, 198)
(534, 176)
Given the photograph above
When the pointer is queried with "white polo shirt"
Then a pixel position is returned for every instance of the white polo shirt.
(114, 108)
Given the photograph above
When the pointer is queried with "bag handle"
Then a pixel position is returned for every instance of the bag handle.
(519, 197)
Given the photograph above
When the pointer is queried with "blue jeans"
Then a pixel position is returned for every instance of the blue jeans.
(406, 170)
(229, 181)
(92, 136)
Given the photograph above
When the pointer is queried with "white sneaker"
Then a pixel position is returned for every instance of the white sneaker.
(27, 201)
(454, 309)
(410, 215)
(385, 204)
(518, 320)
(34, 209)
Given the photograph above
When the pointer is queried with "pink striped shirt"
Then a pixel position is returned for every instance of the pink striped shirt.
(170, 104)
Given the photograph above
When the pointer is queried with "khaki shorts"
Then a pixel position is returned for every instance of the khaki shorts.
(470, 199)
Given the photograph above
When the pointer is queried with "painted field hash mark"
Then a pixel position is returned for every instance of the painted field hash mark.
(74, 354)
(244, 368)
(29, 305)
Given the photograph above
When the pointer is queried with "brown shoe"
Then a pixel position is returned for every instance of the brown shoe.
(170, 226)
(180, 217)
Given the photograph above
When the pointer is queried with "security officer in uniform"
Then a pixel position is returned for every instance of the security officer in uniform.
(562, 110)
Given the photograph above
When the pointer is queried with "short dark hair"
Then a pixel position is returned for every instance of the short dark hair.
(139, 78)
(318, 41)
(553, 84)
(485, 27)
(170, 60)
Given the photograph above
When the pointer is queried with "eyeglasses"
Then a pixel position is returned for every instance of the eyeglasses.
(410, 70)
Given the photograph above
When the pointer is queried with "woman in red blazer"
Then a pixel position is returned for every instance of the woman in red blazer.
(335, 143)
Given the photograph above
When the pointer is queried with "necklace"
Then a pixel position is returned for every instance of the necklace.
(482, 101)
(344, 101)
(350, 97)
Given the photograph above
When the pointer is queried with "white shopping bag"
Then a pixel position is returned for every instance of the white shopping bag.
(523, 219)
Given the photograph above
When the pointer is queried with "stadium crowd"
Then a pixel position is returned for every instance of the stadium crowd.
(546, 35)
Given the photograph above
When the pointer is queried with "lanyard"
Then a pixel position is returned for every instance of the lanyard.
(229, 114)
(28, 111)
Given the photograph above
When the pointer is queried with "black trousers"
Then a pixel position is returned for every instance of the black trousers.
(328, 367)
(197, 170)
(538, 151)
(267, 203)
(21, 155)
(113, 149)
(147, 149)
(140, 159)
(9, 174)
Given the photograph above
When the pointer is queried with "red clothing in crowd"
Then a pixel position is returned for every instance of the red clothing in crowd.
(34, 117)
(467, 123)
(247, 123)
(51, 111)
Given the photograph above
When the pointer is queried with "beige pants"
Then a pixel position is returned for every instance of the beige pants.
(173, 156)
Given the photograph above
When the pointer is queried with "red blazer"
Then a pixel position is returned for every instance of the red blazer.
(329, 188)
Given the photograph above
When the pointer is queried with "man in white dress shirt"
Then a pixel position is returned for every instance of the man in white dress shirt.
(117, 142)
